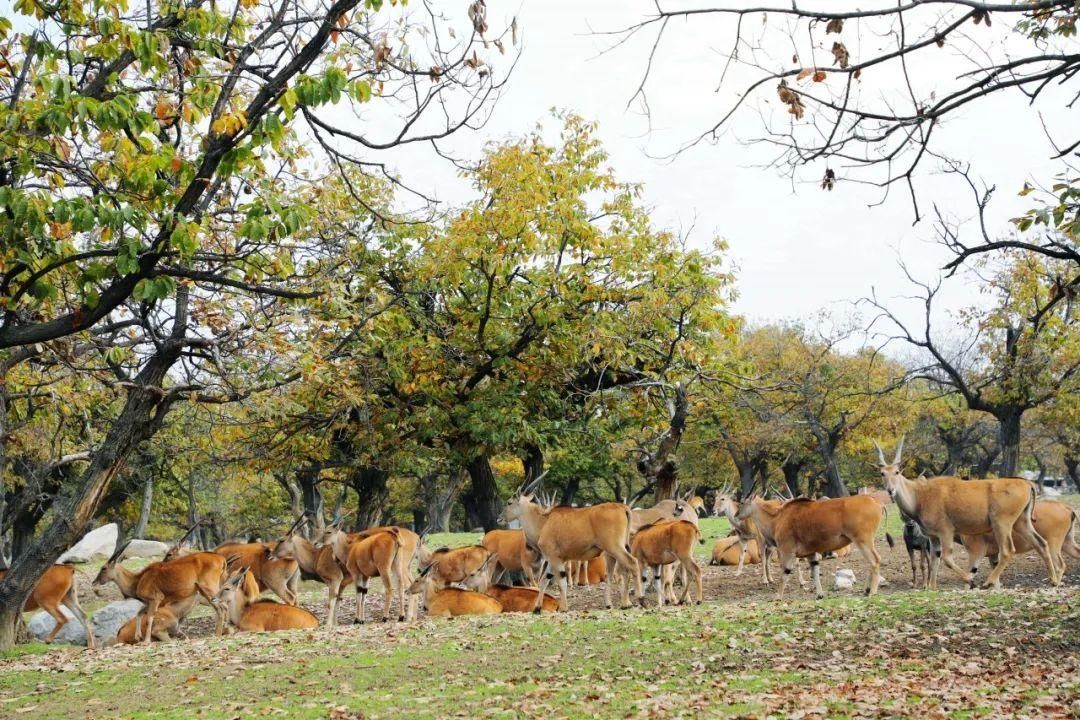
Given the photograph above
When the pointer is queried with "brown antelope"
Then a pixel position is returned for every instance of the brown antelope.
(592, 572)
(373, 555)
(563, 534)
(746, 530)
(730, 551)
(173, 582)
(458, 565)
(450, 602)
(248, 614)
(410, 541)
(180, 547)
(271, 571)
(671, 509)
(166, 624)
(666, 542)
(948, 506)
(54, 589)
(521, 599)
(882, 496)
(1053, 521)
(319, 563)
(512, 554)
(810, 528)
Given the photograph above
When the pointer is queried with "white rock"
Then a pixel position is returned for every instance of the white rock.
(100, 542)
(844, 579)
(107, 622)
(145, 549)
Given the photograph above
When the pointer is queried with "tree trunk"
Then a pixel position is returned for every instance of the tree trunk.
(792, 469)
(533, 462)
(746, 478)
(1009, 442)
(4, 557)
(482, 498)
(22, 531)
(1072, 467)
(143, 412)
(371, 495)
(144, 511)
(296, 502)
(659, 468)
(986, 460)
(311, 496)
(439, 504)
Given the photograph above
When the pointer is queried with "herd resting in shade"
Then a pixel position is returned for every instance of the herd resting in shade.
(558, 547)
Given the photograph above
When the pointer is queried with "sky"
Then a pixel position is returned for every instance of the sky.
(796, 249)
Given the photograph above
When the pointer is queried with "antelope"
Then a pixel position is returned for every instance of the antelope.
(250, 615)
(172, 582)
(55, 588)
(317, 562)
(521, 599)
(663, 510)
(563, 534)
(882, 496)
(666, 542)
(1053, 522)
(410, 541)
(809, 528)
(126, 581)
(723, 552)
(179, 548)
(746, 530)
(373, 555)
(592, 572)
(917, 541)
(271, 571)
(948, 506)
(166, 623)
(512, 554)
(459, 565)
(450, 601)
(697, 504)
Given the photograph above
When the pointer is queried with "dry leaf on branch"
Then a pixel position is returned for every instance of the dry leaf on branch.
(791, 98)
(478, 16)
(804, 73)
(840, 55)
(829, 181)
(382, 54)
(836, 25)
(819, 76)
(514, 31)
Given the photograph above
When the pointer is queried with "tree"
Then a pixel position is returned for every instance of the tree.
(1020, 354)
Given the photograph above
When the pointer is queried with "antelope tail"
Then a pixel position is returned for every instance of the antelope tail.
(888, 537)
(1071, 547)
(1029, 510)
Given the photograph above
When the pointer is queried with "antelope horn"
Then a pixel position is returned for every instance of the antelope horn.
(189, 532)
(300, 522)
(880, 454)
(529, 487)
(899, 449)
(118, 553)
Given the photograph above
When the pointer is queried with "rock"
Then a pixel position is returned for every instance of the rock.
(145, 549)
(844, 579)
(100, 542)
(107, 622)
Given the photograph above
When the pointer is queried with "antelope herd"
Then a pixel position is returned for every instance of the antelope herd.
(610, 543)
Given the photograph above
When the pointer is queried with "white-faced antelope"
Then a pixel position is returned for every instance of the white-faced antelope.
(948, 506)
(447, 566)
(248, 614)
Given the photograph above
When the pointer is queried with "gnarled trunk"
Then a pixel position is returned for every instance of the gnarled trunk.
(481, 501)
(311, 497)
(144, 511)
(1009, 442)
(371, 495)
(792, 469)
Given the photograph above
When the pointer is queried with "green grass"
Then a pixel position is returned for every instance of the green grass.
(716, 660)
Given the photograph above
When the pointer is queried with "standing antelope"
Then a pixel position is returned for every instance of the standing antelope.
(320, 563)
(373, 555)
(666, 542)
(563, 534)
(54, 589)
(948, 506)
(1053, 521)
(173, 582)
(810, 528)
(746, 530)
(512, 554)
(917, 541)
(251, 615)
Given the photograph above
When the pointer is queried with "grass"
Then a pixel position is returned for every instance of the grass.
(712, 659)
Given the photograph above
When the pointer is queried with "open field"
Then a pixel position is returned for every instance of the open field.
(953, 654)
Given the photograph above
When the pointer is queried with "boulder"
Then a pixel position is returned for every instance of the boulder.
(145, 549)
(100, 542)
(107, 622)
(844, 579)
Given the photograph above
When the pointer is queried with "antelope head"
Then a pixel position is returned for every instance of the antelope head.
(725, 502)
(890, 472)
(108, 570)
(286, 546)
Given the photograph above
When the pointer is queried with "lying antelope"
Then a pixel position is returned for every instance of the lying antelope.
(664, 543)
(521, 599)
(166, 625)
(373, 555)
(318, 563)
(730, 551)
(175, 582)
(271, 571)
(948, 506)
(450, 602)
(54, 589)
(1053, 521)
(249, 614)
(512, 554)
(563, 534)
(592, 572)
(810, 528)
(458, 565)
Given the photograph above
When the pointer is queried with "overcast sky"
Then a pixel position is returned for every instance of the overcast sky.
(796, 249)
